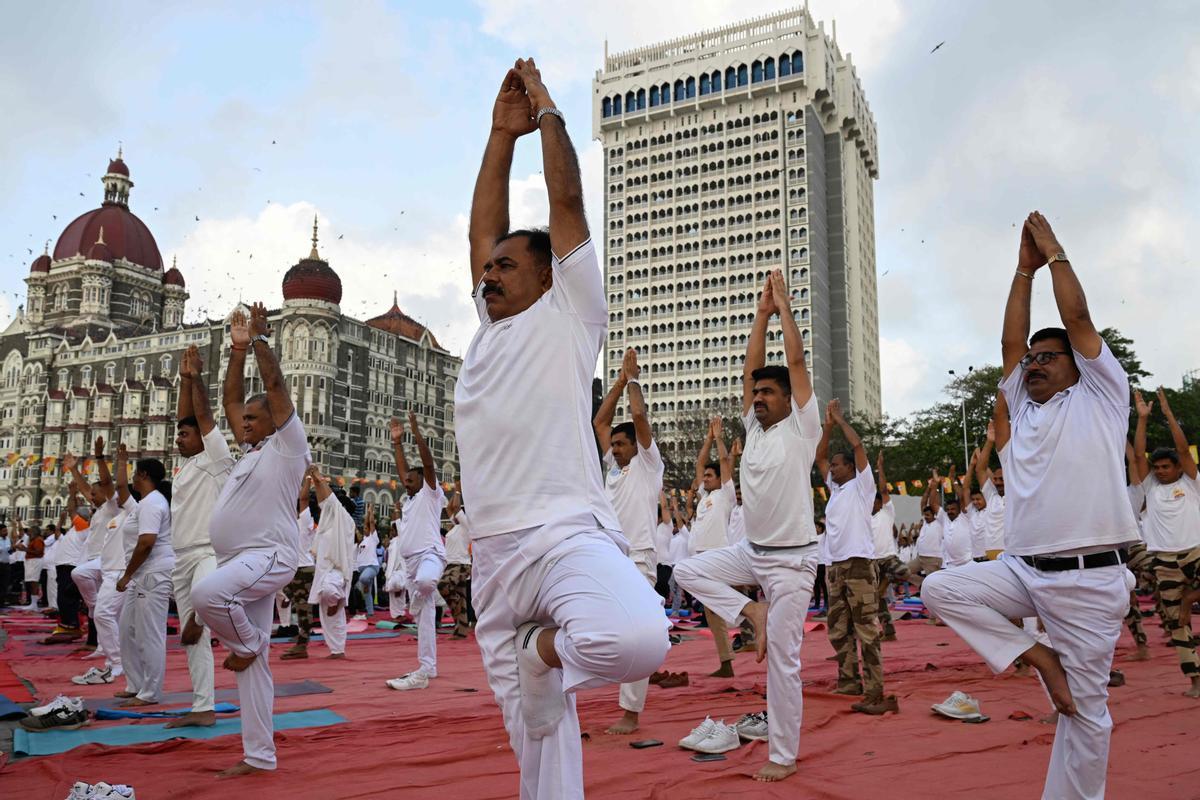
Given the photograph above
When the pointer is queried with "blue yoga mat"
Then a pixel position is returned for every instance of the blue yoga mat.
(10, 710)
(121, 713)
(51, 742)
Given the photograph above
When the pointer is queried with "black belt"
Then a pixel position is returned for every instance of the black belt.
(1109, 558)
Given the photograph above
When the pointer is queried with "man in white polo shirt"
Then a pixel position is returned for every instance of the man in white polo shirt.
(419, 530)
(929, 539)
(715, 499)
(543, 525)
(92, 576)
(206, 466)
(1061, 426)
(956, 527)
(779, 553)
(853, 577)
(991, 483)
(1172, 530)
(633, 478)
(253, 532)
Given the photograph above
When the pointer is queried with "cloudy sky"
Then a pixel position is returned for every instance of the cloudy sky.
(241, 121)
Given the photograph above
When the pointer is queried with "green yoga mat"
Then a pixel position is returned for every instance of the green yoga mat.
(51, 742)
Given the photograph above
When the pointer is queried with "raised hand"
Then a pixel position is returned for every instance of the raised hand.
(190, 365)
(736, 450)
(766, 300)
(1029, 257)
(629, 365)
(1143, 408)
(716, 427)
(98, 447)
(510, 113)
(70, 461)
(835, 410)
(1043, 236)
(535, 90)
(122, 453)
(779, 290)
(313, 474)
(412, 425)
(396, 430)
(258, 320)
(1163, 404)
(991, 432)
(239, 329)
(879, 462)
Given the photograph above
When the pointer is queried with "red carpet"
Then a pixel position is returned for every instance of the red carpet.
(449, 740)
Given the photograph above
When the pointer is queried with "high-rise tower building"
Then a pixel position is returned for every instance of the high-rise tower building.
(727, 154)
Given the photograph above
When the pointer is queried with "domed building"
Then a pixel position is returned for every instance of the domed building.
(96, 352)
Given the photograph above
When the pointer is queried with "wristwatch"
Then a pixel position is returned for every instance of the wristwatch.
(260, 338)
(1057, 257)
(549, 110)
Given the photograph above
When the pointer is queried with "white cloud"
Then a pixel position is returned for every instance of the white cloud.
(907, 378)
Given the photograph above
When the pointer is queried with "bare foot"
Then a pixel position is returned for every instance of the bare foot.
(626, 725)
(336, 655)
(236, 663)
(1050, 719)
(756, 614)
(1195, 690)
(1141, 654)
(1048, 665)
(775, 772)
(192, 630)
(242, 768)
(725, 671)
(333, 609)
(124, 694)
(194, 719)
(1023, 671)
(134, 702)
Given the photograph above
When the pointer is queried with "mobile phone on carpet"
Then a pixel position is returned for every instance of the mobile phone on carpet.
(644, 743)
(708, 757)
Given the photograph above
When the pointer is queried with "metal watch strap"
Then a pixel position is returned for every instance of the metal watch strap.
(549, 110)
(260, 338)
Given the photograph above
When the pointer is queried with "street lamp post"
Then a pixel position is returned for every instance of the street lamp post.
(963, 402)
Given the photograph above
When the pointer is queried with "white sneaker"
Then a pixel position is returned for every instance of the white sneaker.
(74, 704)
(722, 739)
(753, 727)
(93, 677)
(104, 791)
(97, 653)
(958, 706)
(542, 700)
(698, 734)
(413, 680)
(81, 791)
(360, 616)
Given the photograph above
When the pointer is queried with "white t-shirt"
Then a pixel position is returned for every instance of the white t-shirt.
(681, 545)
(112, 556)
(736, 530)
(49, 558)
(978, 530)
(662, 544)
(70, 549)
(712, 518)
(528, 378)
(881, 530)
(195, 490)
(993, 517)
(18, 538)
(458, 544)
(1137, 498)
(420, 523)
(956, 539)
(633, 491)
(848, 517)
(98, 527)
(365, 555)
(307, 531)
(1068, 447)
(333, 543)
(151, 515)
(256, 509)
(1172, 514)
(929, 541)
(776, 484)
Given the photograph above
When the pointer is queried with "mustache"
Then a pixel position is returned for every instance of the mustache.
(492, 288)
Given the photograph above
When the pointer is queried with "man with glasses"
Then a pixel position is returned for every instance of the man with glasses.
(1060, 424)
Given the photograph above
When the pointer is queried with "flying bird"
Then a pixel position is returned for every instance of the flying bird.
(341, 235)
(197, 219)
(939, 47)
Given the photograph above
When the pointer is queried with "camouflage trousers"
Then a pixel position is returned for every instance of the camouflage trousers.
(1142, 566)
(453, 587)
(852, 620)
(891, 571)
(1177, 574)
(297, 594)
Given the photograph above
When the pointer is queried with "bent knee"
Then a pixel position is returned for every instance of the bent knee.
(685, 574)
(934, 589)
(622, 652)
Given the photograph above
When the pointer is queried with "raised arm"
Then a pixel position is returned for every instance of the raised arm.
(702, 459)
(883, 487)
(183, 405)
(71, 463)
(233, 393)
(489, 205)
(1178, 438)
(793, 344)
(1139, 435)
(122, 474)
(602, 422)
(318, 482)
(396, 430)
(935, 492)
(279, 399)
(193, 369)
(722, 453)
(428, 468)
(756, 346)
(822, 456)
(1068, 291)
(1014, 341)
(104, 476)
(637, 401)
(306, 485)
(1131, 465)
(664, 508)
(985, 455)
(852, 438)
(568, 223)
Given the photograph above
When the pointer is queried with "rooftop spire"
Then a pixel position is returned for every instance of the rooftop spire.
(100, 238)
(314, 255)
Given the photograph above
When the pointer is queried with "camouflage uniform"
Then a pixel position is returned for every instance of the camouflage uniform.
(297, 594)
(453, 588)
(1178, 573)
(853, 607)
(891, 570)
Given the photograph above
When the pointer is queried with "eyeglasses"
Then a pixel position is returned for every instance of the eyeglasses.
(1043, 358)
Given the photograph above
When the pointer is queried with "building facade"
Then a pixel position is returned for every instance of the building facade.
(96, 349)
(728, 154)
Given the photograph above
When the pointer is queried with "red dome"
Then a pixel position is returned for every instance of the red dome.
(40, 264)
(100, 252)
(126, 236)
(397, 322)
(118, 166)
(173, 278)
(312, 279)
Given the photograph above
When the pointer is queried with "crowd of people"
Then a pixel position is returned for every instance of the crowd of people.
(569, 572)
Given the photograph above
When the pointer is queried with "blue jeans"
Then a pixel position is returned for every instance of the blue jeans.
(366, 585)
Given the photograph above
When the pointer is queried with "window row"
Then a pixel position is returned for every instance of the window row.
(708, 83)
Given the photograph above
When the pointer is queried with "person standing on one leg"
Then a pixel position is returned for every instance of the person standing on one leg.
(715, 499)
(96, 579)
(334, 561)
(308, 515)
(1061, 426)
(888, 566)
(779, 553)
(206, 466)
(253, 532)
(853, 579)
(560, 606)
(420, 533)
(1172, 530)
(633, 480)
(149, 561)
(455, 584)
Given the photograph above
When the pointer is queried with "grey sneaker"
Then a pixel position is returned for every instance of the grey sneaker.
(753, 727)
(61, 718)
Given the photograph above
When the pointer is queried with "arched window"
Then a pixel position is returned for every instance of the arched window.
(665, 92)
(617, 105)
(691, 87)
(641, 99)
(705, 84)
(653, 96)
(756, 72)
(797, 62)
(165, 366)
(743, 77)
(606, 106)
(630, 101)
(85, 376)
(716, 80)
(730, 78)
(110, 373)
(785, 66)
(679, 91)
(769, 69)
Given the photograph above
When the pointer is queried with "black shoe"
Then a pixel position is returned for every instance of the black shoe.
(737, 642)
(60, 719)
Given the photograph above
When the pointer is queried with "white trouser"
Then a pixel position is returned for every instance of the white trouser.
(333, 627)
(109, 606)
(191, 566)
(786, 576)
(424, 573)
(1082, 611)
(87, 577)
(144, 633)
(283, 609)
(236, 602)
(610, 629)
(51, 587)
(632, 696)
